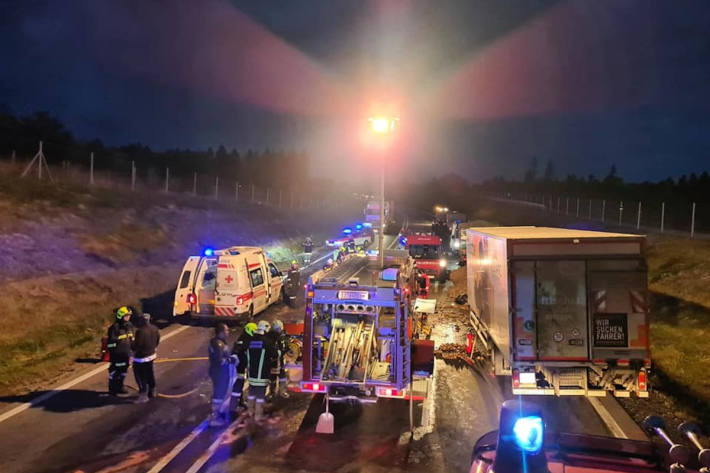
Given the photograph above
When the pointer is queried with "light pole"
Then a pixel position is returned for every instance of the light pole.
(383, 126)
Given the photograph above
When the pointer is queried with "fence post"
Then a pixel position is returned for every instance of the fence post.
(167, 179)
(663, 215)
(252, 193)
(567, 205)
(236, 191)
(216, 188)
(292, 203)
(91, 169)
(268, 194)
(590, 209)
(603, 209)
(558, 203)
(133, 176)
(194, 183)
(692, 222)
(638, 217)
(280, 197)
(621, 210)
(14, 157)
(577, 207)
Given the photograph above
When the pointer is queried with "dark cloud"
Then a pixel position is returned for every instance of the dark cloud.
(283, 73)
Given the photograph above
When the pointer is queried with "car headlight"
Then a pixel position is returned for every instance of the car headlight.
(442, 263)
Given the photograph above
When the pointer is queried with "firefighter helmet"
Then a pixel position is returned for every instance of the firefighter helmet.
(250, 328)
(123, 311)
(277, 326)
(263, 327)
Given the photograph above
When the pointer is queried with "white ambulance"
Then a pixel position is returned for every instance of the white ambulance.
(235, 283)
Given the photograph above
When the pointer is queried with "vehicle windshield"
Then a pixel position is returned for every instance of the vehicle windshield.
(424, 251)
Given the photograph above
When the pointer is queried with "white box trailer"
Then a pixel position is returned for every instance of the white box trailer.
(234, 283)
(564, 312)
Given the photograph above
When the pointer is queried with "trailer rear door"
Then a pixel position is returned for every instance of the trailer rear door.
(561, 309)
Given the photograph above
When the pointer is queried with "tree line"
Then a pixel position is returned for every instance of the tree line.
(275, 168)
(685, 189)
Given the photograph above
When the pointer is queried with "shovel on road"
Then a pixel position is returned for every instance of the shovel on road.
(326, 421)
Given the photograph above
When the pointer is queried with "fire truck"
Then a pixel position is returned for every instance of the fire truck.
(427, 253)
(357, 334)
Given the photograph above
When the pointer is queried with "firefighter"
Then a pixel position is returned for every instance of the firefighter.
(351, 246)
(146, 340)
(239, 350)
(341, 254)
(261, 358)
(278, 373)
(422, 280)
(120, 338)
(307, 250)
(220, 370)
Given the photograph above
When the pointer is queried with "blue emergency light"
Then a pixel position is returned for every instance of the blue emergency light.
(347, 230)
(520, 439)
(358, 226)
(367, 224)
(208, 252)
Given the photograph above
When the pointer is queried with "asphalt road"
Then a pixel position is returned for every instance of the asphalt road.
(83, 429)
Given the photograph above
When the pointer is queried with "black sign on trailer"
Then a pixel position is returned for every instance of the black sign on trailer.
(611, 330)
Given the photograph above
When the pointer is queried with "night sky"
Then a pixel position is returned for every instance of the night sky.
(481, 87)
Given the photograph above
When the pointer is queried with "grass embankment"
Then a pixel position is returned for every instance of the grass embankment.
(679, 278)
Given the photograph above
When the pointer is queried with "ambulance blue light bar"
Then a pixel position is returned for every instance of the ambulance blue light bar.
(358, 226)
(347, 230)
(208, 252)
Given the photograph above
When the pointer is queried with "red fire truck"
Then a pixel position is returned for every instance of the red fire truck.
(426, 250)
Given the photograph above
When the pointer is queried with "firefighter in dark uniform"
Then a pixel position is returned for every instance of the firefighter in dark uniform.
(221, 368)
(278, 374)
(120, 338)
(261, 358)
(239, 350)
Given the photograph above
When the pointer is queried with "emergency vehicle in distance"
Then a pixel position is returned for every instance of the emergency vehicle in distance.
(563, 312)
(372, 214)
(362, 235)
(357, 339)
(522, 445)
(229, 284)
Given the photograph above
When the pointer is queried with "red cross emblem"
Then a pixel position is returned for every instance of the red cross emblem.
(229, 279)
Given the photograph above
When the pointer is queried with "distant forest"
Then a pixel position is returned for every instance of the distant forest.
(686, 189)
(264, 167)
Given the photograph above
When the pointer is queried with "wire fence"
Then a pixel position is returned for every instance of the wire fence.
(150, 180)
(676, 218)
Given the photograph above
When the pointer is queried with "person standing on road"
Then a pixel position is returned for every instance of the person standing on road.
(145, 342)
(261, 357)
(307, 250)
(120, 339)
(239, 350)
(221, 366)
(278, 374)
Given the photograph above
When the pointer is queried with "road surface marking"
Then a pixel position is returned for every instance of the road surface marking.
(179, 447)
(204, 458)
(607, 418)
(316, 261)
(49, 394)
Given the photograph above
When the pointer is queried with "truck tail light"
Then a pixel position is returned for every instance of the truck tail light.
(642, 379)
(240, 300)
(191, 299)
(389, 392)
(516, 379)
(622, 362)
(314, 387)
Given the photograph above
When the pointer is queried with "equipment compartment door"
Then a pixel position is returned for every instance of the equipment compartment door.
(561, 303)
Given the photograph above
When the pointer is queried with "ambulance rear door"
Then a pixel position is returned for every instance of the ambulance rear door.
(205, 284)
(185, 286)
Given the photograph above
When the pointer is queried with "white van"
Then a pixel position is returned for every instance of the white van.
(233, 283)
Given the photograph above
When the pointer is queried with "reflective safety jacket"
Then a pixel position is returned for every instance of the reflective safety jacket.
(262, 357)
(120, 339)
(240, 349)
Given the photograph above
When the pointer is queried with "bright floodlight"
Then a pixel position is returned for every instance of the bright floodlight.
(528, 433)
(382, 125)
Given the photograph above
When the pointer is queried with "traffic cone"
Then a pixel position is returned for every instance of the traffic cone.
(326, 421)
